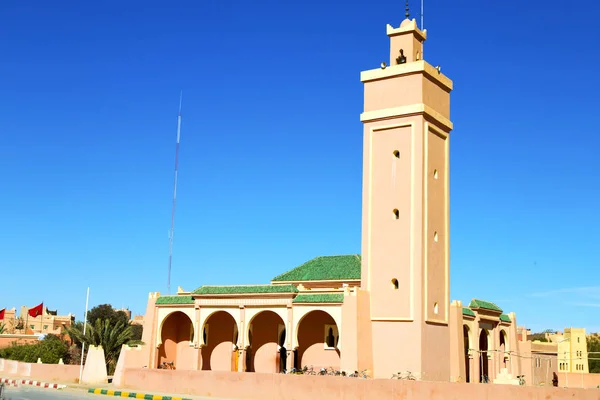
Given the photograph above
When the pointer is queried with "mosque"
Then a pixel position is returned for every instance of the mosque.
(385, 311)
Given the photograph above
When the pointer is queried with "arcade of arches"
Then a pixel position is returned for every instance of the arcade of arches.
(267, 346)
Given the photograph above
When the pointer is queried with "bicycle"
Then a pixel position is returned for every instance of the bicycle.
(408, 376)
(167, 365)
(521, 379)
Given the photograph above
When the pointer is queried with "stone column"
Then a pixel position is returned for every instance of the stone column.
(241, 360)
(290, 360)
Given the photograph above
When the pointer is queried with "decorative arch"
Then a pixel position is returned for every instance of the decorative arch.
(204, 321)
(176, 334)
(484, 347)
(503, 340)
(301, 312)
(318, 337)
(165, 313)
(266, 342)
(252, 313)
(504, 347)
(219, 336)
(468, 344)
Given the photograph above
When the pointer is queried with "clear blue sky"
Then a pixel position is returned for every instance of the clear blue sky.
(271, 149)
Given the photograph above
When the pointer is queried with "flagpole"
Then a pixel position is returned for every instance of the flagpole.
(87, 298)
(42, 319)
(26, 320)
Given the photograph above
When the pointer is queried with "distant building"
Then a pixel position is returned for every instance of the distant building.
(572, 350)
(138, 320)
(48, 322)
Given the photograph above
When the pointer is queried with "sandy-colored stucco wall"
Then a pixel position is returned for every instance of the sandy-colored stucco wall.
(279, 386)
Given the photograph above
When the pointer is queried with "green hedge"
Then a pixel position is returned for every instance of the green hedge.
(51, 349)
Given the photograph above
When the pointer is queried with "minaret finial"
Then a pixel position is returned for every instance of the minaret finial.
(407, 14)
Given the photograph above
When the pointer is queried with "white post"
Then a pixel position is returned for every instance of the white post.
(87, 298)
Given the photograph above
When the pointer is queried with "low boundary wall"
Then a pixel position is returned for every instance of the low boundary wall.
(257, 386)
(7, 340)
(43, 372)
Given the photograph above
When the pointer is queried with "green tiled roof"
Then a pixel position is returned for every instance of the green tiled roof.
(320, 298)
(485, 305)
(175, 300)
(248, 289)
(468, 311)
(327, 268)
(504, 318)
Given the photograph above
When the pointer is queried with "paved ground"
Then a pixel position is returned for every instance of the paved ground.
(26, 392)
(30, 393)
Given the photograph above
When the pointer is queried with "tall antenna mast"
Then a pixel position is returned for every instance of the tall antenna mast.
(422, 1)
(174, 195)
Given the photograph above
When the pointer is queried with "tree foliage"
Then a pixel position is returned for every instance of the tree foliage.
(2, 328)
(50, 350)
(136, 332)
(106, 334)
(593, 348)
(106, 311)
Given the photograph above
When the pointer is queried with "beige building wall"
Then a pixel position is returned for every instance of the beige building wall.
(572, 350)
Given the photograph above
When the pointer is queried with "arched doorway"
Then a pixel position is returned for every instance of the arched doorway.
(266, 335)
(176, 334)
(318, 339)
(467, 345)
(219, 335)
(483, 356)
(503, 349)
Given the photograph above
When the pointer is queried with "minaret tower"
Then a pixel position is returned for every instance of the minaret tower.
(405, 234)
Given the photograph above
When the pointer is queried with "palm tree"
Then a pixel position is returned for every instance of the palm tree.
(2, 328)
(103, 333)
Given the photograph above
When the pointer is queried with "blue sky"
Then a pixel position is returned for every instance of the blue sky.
(271, 149)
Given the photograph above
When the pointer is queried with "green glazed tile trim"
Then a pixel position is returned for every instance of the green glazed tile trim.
(320, 298)
(468, 311)
(475, 303)
(175, 300)
(249, 289)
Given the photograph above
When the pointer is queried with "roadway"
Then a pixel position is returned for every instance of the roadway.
(26, 392)
(31, 393)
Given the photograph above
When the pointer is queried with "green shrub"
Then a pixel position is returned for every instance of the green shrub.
(50, 350)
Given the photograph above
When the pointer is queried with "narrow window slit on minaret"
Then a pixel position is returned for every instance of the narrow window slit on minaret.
(395, 284)
(396, 213)
(396, 156)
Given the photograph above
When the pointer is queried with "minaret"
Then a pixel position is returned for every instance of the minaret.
(405, 234)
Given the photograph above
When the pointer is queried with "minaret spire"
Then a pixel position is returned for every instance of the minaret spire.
(407, 13)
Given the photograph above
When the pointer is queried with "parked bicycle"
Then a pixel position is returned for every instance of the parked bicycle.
(408, 376)
(167, 365)
(521, 379)
(362, 374)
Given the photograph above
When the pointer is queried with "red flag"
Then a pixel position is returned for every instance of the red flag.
(2, 313)
(37, 310)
